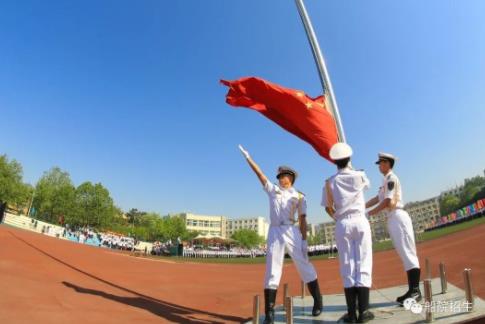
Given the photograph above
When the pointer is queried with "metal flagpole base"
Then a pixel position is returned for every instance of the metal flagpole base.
(444, 283)
(427, 269)
(289, 310)
(285, 294)
(256, 310)
(428, 300)
(467, 276)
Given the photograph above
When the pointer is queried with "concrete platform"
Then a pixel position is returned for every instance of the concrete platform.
(447, 308)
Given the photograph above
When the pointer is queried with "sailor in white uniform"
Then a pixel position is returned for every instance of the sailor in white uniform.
(399, 224)
(284, 202)
(343, 199)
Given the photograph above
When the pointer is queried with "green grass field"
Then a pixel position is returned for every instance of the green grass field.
(377, 246)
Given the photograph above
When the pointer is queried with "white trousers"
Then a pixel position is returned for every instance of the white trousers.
(354, 244)
(400, 229)
(279, 238)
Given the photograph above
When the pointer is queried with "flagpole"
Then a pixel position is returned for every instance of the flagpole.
(322, 67)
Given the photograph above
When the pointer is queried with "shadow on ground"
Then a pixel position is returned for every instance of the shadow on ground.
(171, 312)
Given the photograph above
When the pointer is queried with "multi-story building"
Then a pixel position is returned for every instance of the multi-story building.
(327, 231)
(311, 230)
(257, 224)
(208, 226)
(457, 191)
(378, 227)
(423, 213)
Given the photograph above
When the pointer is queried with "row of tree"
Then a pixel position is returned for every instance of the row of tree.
(12, 188)
(55, 199)
(473, 190)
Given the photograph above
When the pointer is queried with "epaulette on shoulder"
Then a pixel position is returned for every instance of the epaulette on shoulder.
(301, 193)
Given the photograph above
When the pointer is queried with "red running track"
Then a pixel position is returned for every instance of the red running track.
(47, 280)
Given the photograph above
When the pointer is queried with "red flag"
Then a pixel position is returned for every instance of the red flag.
(299, 114)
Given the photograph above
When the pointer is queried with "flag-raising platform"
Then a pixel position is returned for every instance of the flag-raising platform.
(450, 307)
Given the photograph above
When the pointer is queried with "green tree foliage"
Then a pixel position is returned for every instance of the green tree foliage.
(247, 238)
(55, 196)
(449, 204)
(153, 227)
(12, 189)
(89, 204)
(473, 190)
(134, 216)
(94, 206)
(315, 239)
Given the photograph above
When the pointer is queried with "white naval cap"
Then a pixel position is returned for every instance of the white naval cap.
(340, 151)
(283, 169)
(385, 157)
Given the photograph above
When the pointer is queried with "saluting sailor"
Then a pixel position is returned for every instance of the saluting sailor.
(399, 224)
(343, 199)
(284, 202)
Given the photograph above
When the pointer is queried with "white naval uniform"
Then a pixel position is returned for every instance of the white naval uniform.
(399, 223)
(283, 204)
(345, 193)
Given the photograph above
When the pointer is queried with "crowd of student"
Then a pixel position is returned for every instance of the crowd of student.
(87, 235)
(237, 252)
(320, 249)
(221, 252)
(160, 248)
(119, 242)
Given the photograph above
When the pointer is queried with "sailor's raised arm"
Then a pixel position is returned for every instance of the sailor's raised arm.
(261, 176)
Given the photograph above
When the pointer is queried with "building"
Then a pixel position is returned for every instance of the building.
(457, 191)
(257, 224)
(311, 230)
(208, 226)
(378, 227)
(327, 232)
(423, 213)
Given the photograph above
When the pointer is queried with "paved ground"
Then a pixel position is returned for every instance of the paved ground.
(55, 281)
(450, 307)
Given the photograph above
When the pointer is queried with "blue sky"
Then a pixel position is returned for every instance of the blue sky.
(126, 93)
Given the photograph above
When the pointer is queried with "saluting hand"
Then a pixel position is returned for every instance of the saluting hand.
(244, 152)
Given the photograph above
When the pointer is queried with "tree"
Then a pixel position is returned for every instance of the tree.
(316, 239)
(134, 215)
(247, 238)
(54, 196)
(12, 189)
(449, 204)
(94, 206)
(471, 189)
(175, 228)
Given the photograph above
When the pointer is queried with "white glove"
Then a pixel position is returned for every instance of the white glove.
(304, 249)
(244, 152)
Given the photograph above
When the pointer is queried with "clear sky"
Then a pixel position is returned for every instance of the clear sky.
(126, 93)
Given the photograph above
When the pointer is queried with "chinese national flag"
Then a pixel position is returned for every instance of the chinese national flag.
(305, 117)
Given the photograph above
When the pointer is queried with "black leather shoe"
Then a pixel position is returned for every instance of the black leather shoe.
(400, 300)
(365, 317)
(347, 318)
(363, 302)
(351, 301)
(269, 302)
(314, 289)
(413, 283)
(414, 293)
